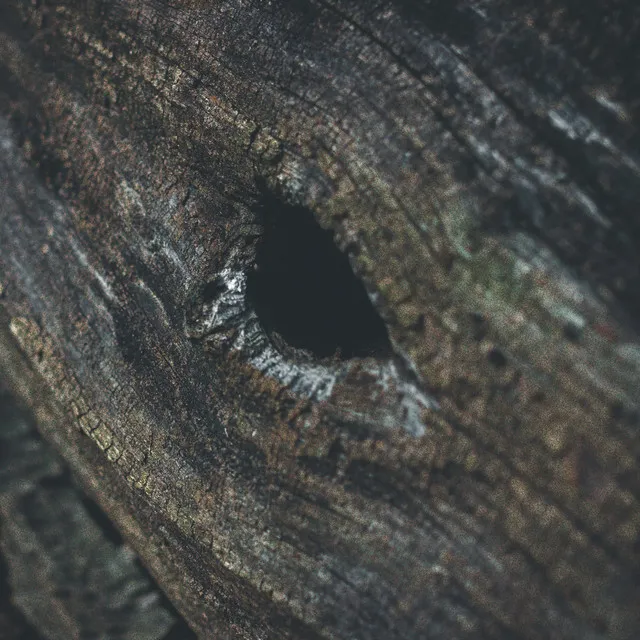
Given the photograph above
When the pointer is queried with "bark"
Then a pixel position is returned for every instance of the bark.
(436, 437)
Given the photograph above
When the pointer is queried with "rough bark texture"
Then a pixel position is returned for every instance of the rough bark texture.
(459, 459)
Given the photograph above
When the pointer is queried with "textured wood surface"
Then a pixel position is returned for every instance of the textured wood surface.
(436, 437)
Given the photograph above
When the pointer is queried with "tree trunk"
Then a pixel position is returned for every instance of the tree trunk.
(333, 307)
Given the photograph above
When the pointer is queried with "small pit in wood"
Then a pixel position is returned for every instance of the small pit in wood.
(305, 293)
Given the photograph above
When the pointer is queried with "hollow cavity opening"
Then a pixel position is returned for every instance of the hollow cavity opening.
(304, 291)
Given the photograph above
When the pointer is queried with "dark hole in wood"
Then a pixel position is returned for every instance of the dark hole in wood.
(304, 289)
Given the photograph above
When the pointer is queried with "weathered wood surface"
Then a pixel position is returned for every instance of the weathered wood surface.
(460, 460)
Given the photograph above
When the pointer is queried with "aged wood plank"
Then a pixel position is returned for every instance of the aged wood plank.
(462, 460)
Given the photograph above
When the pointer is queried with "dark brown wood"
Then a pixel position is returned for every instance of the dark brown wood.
(454, 454)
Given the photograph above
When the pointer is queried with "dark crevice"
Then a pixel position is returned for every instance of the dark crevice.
(304, 291)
